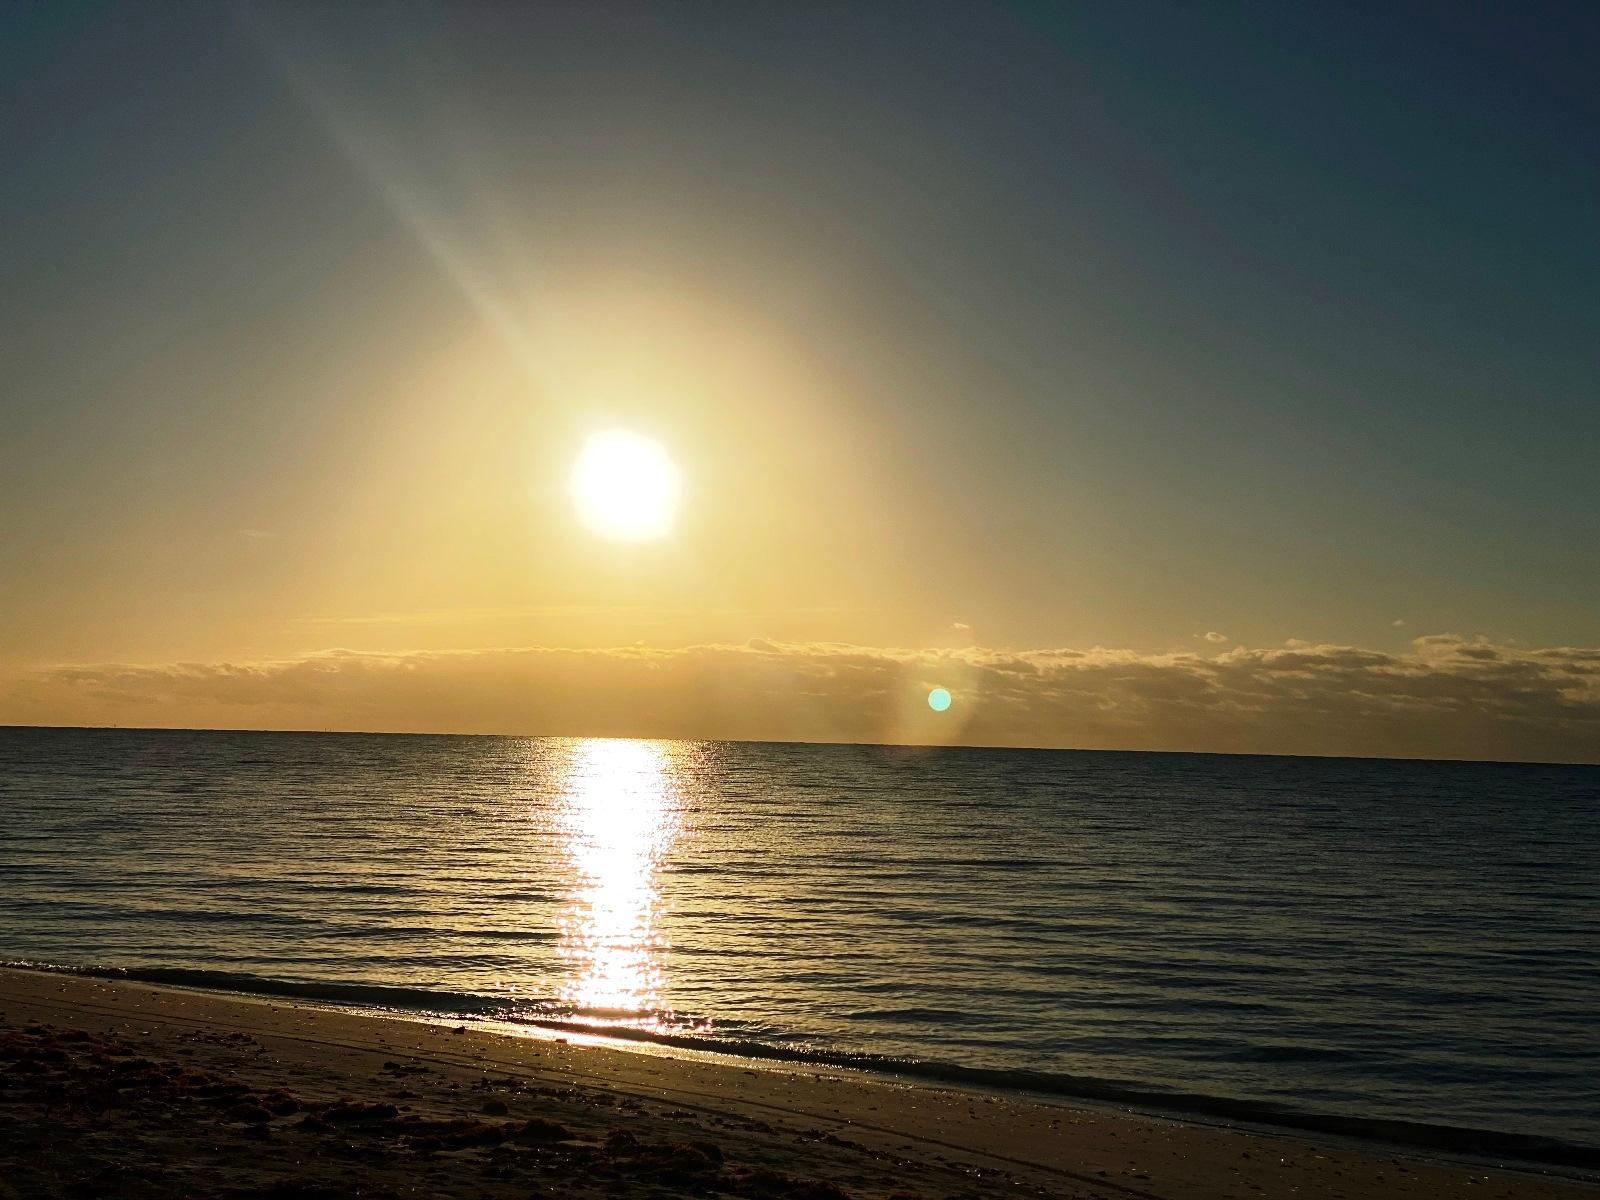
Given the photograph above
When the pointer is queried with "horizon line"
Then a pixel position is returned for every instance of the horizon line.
(1504, 762)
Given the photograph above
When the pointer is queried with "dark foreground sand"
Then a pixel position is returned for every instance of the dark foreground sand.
(127, 1090)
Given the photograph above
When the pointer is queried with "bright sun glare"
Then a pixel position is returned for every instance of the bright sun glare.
(625, 486)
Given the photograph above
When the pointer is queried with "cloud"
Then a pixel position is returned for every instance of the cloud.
(1398, 622)
(960, 627)
(1447, 696)
(1214, 636)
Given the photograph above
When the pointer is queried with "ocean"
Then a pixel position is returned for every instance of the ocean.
(1402, 950)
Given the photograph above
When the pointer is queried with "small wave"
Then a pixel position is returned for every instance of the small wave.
(948, 1016)
(179, 916)
(1273, 1053)
(367, 995)
(363, 889)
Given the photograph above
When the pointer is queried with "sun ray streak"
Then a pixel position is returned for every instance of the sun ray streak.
(379, 160)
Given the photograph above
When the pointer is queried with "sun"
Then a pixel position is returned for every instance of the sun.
(625, 486)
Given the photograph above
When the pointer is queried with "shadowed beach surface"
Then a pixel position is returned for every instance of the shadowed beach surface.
(126, 1089)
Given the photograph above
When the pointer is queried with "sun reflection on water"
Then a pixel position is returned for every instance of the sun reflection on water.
(618, 818)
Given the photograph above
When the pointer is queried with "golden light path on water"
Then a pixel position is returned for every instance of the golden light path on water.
(618, 818)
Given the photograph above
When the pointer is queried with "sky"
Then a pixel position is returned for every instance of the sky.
(1150, 376)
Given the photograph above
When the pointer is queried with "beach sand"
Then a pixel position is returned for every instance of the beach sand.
(128, 1090)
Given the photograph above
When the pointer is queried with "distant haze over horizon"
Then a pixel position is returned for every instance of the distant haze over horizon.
(1147, 377)
(1445, 698)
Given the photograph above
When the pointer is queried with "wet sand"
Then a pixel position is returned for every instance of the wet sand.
(130, 1090)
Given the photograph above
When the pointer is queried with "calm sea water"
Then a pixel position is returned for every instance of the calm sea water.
(1394, 947)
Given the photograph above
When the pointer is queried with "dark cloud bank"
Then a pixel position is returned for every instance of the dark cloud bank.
(1446, 697)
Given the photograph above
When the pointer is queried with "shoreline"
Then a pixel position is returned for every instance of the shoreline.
(793, 1129)
(1445, 1143)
